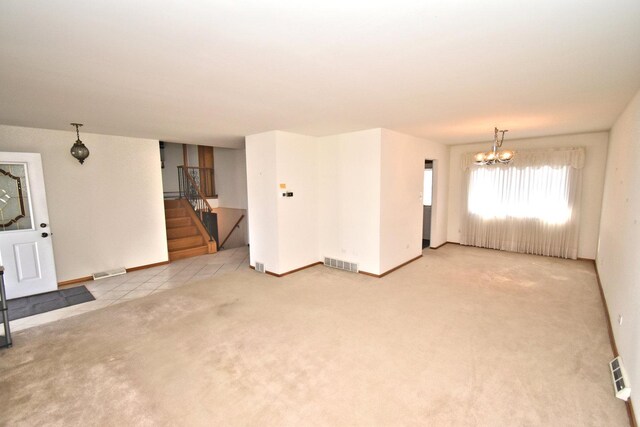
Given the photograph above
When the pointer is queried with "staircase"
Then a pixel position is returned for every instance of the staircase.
(185, 237)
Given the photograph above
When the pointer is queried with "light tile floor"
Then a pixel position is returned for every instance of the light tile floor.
(145, 282)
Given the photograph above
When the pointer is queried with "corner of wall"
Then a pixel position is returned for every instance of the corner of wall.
(363, 203)
(619, 236)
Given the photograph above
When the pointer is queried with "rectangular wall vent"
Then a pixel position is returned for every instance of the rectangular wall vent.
(341, 265)
(260, 267)
(620, 379)
(110, 273)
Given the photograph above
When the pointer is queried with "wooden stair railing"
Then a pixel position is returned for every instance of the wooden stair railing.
(236, 225)
(204, 177)
(191, 191)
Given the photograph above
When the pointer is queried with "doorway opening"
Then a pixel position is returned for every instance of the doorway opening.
(204, 189)
(427, 203)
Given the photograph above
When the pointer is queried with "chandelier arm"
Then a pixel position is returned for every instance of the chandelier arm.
(499, 144)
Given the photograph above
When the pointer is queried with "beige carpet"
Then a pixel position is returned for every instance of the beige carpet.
(451, 339)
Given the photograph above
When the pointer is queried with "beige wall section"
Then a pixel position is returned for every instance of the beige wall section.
(592, 184)
(173, 158)
(231, 177)
(619, 243)
(227, 218)
(192, 156)
(230, 168)
(106, 213)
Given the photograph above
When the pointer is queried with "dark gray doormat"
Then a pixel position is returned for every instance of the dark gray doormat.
(41, 303)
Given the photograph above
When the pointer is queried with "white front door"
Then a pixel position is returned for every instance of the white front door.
(26, 251)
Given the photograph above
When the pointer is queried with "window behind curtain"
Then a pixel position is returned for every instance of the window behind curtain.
(530, 192)
(530, 205)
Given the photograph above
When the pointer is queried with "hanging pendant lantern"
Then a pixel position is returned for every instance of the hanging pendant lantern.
(79, 150)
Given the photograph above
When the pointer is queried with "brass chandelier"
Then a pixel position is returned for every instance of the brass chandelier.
(494, 156)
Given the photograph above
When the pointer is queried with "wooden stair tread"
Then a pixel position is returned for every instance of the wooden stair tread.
(185, 238)
(188, 252)
(182, 231)
(185, 242)
(175, 213)
(178, 222)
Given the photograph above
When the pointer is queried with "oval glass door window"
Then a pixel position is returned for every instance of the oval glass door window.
(15, 207)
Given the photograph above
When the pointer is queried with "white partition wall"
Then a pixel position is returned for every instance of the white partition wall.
(402, 165)
(262, 200)
(356, 197)
(349, 198)
(297, 214)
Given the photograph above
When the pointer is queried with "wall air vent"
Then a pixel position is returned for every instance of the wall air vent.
(620, 379)
(110, 273)
(260, 267)
(341, 265)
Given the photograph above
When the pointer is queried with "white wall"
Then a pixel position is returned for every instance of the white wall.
(231, 177)
(402, 176)
(282, 230)
(173, 158)
(262, 200)
(105, 213)
(349, 198)
(619, 243)
(297, 215)
(402, 181)
(592, 184)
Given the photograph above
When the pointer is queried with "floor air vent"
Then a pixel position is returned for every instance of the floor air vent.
(110, 273)
(619, 377)
(341, 265)
(260, 267)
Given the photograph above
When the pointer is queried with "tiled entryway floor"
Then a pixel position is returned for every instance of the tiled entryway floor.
(145, 282)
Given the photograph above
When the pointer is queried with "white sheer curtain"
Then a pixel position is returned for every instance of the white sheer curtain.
(531, 205)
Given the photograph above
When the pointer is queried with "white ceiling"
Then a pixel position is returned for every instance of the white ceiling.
(210, 72)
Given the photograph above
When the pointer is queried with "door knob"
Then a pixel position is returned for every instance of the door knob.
(45, 234)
